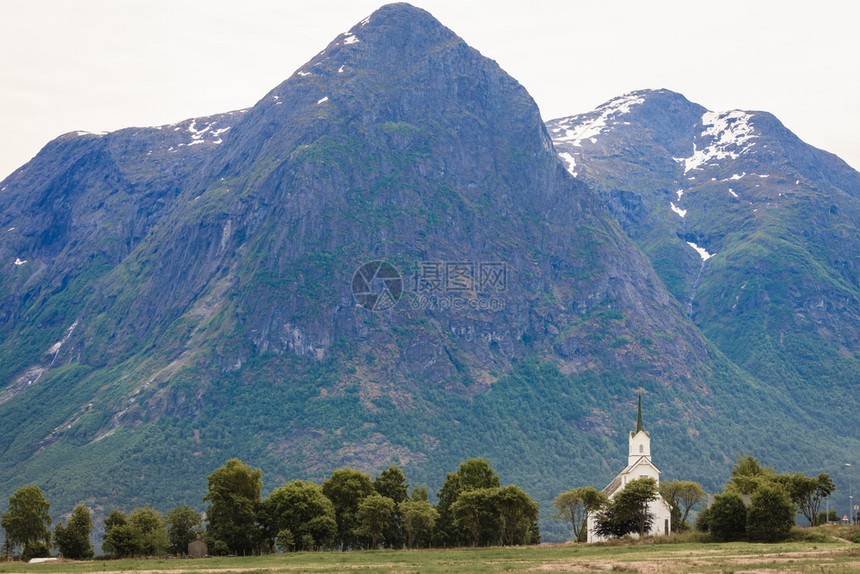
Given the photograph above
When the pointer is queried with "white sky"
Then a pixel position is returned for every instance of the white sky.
(98, 65)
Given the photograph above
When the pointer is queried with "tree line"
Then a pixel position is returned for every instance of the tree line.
(350, 510)
(773, 502)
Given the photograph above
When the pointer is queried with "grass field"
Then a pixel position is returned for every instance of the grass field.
(828, 555)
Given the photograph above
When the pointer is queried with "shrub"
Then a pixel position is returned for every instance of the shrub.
(771, 514)
(727, 517)
(220, 548)
(703, 520)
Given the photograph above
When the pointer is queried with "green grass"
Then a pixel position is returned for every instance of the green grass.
(647, 556)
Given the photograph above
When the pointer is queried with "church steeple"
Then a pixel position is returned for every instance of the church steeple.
(640, 439)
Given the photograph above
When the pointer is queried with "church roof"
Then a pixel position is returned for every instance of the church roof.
(618, 482)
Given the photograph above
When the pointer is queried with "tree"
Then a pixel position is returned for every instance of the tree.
(73, 539)
(419, 492)
(285, 541)
(418, 517)
(612, 522)
(300, 508)
(121, 539)
(807, 492)
(234, 493)
(151, 530)
(27, 522)
(474, 511)
(346, 489)
(682, 496)
(473, 474)
(633, 501)
(628, 510)
(392, 484)
(747, 474)
(374, 515)
(517, 511)
(727, 517)
(183, 526)
(771, 513)
(575, 505)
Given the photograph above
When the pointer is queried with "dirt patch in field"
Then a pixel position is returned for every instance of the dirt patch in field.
(789, 562)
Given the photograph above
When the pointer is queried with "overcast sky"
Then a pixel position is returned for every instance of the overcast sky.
(97, 65)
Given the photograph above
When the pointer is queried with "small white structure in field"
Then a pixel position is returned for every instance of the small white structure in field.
(639, 465)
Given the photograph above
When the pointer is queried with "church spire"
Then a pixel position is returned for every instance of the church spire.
(639, 416)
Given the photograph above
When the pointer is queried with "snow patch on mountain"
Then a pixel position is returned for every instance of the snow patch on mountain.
(727, 135)
(576, 129)
(703, 253)
(570, 163)
(678, 210)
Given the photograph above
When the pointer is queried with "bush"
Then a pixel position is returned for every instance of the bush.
(703, 520)
(771, 514)
(727, 517)
(35, 549)
(219, 548)
(284, 541)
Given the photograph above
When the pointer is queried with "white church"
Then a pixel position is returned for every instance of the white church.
(638, 465)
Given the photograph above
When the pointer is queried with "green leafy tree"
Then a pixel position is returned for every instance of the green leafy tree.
(391, 483)
(121, 538)
(807, 492)
(628, 510)
(73, 538)
(418, 518)
(475, 473)
(374, 516)
(771, 514)
(346, 489)
(682, 496)
(234, 493)
(476, 511)
(285, 541)
(633, 500)
(517, 511)
(300, 508)
(575, 505)
(151, 530)
(727, 517)
(183, 526)
(748, 474)
(27, 522)
(419, 492)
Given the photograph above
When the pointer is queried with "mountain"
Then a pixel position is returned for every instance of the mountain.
(753, 230)
(382, 261)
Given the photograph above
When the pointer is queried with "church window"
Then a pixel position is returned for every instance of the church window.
(641, 448)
